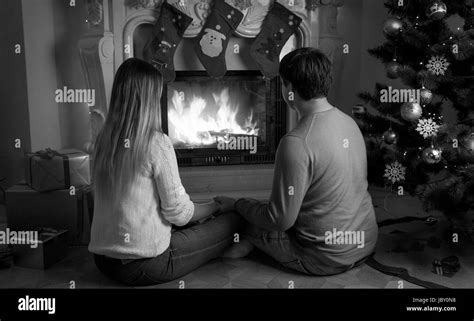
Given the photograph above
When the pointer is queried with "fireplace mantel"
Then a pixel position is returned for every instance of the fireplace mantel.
(109, 41)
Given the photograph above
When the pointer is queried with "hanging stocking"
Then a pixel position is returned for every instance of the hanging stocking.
(280, 23)
(211, 43)
(167, 34)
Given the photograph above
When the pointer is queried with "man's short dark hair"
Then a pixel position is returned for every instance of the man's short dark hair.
(309, 71)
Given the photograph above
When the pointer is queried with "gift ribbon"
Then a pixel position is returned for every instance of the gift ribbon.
(48, 154)
(83, 192)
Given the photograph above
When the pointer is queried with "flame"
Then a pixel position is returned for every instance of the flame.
(188, 125)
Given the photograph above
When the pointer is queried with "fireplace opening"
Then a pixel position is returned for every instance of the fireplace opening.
(237, 119)
(202, 114)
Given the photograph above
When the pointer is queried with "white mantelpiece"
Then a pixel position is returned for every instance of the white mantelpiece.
(110, 41)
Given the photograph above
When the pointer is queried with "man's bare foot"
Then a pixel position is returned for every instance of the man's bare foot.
(238, 250)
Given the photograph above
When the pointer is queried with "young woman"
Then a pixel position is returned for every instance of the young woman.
(139, 196)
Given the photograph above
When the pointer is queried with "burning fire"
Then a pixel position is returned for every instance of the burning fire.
(188, 125)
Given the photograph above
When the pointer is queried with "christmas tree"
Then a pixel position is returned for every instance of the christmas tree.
(410, 143)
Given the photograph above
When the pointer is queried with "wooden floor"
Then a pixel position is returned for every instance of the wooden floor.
(255, 271)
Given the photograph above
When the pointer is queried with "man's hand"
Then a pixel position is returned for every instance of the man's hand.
(224, 203)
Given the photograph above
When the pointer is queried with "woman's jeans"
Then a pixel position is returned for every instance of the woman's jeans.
(189, 249)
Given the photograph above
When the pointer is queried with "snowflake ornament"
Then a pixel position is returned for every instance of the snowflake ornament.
(395, 172)
(427, 127)
(438, 65)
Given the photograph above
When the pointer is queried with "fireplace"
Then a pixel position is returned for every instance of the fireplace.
(118, 30)
(238, 119)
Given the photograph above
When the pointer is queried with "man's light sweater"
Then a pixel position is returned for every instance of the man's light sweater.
(319, 186)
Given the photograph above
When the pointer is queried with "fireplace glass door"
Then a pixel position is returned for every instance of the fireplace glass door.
(228, 120)
(202, 113)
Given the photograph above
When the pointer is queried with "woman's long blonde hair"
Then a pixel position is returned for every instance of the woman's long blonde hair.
(124, 141)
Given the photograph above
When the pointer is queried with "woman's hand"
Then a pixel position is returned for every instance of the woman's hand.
(224, 203)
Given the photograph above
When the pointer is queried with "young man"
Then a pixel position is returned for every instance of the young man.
(319, 219)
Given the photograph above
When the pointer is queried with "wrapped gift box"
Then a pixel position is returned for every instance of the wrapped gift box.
(51, 247)
(447, 266)
(49, 170)
(29, 209)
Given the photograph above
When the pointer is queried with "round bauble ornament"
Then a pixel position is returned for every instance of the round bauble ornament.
(468, 142)
(390, 137)
(466, 149)
(359, 111)
(392, 27)
(393, 69)
(426, 96)
(431, 155)
(436, 10)
(411, 111)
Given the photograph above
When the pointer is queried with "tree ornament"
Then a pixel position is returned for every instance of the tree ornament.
(431, 155)
(395, 172)
(438, 65)
(426, 96)
(392, 27)
(467, 147)
(436, 10)
(393, 69)
(427, 127)
(468, 142)
(390, 136)
(359, 111)
(411, 111)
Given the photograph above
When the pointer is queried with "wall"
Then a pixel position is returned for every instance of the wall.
(41, 73)
(347, 65)
(52, 29)
(372, 69)
(360, 25)
(69, 26)
(14, 118)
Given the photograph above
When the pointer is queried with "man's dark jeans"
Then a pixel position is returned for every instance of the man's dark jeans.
(283, 248)
(189, 249)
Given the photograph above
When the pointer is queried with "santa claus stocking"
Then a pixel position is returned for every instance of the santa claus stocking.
(211, 43)
(280, 23)
(167, 34)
